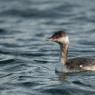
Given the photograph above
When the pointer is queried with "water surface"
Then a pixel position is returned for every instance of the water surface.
(28, 60)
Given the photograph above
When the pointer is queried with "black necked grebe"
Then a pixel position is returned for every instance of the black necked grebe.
(74, 64)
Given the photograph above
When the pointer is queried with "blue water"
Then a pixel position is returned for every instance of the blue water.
(28, 60)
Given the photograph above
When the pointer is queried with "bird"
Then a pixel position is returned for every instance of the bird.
(74, 64)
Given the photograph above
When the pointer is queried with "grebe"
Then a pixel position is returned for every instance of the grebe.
(74, 64)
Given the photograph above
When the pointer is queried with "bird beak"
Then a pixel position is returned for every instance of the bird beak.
(52, 39)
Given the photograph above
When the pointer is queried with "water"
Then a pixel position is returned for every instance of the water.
(27, 59)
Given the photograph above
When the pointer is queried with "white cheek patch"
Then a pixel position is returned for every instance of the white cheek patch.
(61, 40)
(67, 39)
(64, 40)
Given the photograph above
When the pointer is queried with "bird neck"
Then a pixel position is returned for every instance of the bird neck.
(63, 53)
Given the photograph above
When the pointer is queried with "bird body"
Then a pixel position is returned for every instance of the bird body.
(74, 64)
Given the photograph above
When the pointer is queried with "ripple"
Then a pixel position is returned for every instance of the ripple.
(27, 60)
(6, 59)
(27, 84)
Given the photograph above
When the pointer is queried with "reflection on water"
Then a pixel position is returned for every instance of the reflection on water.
(28, 60)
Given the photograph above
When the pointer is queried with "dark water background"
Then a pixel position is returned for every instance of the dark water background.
(27, 60)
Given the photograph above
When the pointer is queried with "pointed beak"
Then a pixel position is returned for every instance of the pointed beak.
(49, 39)
(52, 39)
